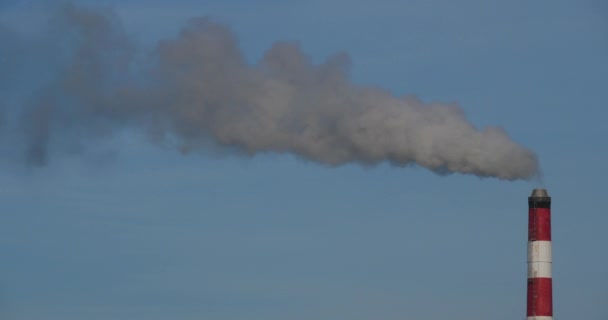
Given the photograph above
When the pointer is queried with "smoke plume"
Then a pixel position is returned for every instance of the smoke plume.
(198, 89)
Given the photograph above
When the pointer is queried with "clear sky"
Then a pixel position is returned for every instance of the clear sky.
(131, 230)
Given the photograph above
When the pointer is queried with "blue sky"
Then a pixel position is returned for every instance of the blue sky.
(137, 231)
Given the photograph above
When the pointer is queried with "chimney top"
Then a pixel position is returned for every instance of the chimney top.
(539, 193)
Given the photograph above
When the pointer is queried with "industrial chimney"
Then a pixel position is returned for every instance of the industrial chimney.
(540, 296)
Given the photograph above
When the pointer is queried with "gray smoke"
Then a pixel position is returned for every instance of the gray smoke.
(199, 89)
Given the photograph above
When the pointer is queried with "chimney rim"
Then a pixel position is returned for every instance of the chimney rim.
(539, 193)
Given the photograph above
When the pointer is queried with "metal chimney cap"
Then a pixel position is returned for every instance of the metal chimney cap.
(539, 193)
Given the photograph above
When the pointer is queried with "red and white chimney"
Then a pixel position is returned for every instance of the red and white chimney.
(540, 292)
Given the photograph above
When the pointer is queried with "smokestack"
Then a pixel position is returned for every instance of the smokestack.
(540, 296)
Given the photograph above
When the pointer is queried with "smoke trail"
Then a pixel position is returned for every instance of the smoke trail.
(201, 90)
